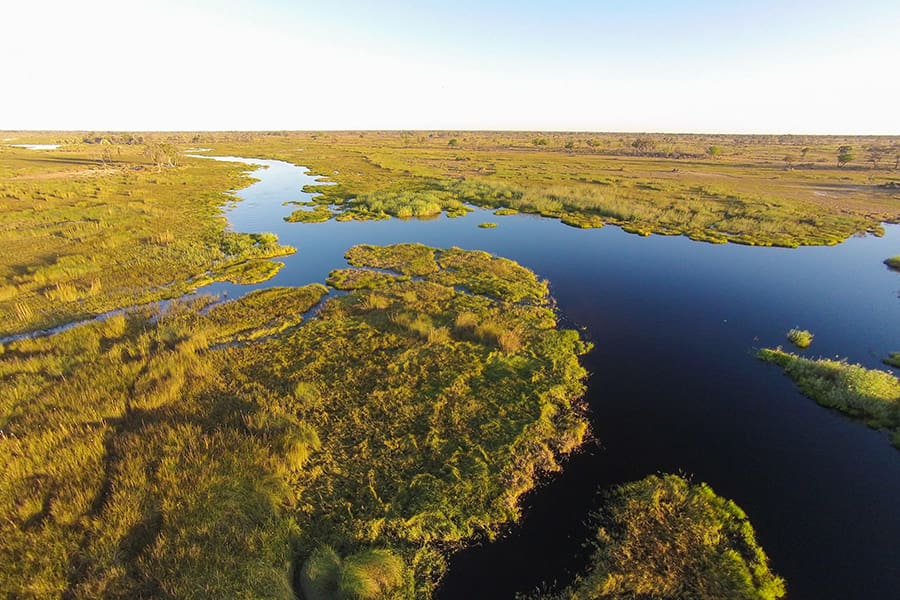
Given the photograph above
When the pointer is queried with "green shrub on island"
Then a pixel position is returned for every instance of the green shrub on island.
(800, 337)
(893, 262)
(487, 225)
(893, 359)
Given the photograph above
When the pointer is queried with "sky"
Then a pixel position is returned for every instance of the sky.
(688, 66)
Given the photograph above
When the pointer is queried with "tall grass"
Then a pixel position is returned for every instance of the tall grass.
(663, 537)
(745, 196)
(218, 449)
(870, 395)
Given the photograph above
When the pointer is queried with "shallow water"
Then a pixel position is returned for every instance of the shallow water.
(674, 384)
(36, 146)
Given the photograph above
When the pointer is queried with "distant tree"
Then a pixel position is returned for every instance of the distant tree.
(453, 142)
(108, 151)
(570, 145)
(713, 151)
(804, 152)
(162, 154)
(788, 161)
(643, 145)
(845, 155)
(539, 141)
(875, 154)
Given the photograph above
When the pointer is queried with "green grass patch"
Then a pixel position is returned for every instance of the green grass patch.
(232, 449)
(319, 214)
(248, 272)
(800, 337)
(83, 235)
(666, 185)
(500, 212)
(487, 225)
(893, 359)
(357, 279)
(663, 537)
(893, 262)
(406, 259)
(481, 273)
(869, 395)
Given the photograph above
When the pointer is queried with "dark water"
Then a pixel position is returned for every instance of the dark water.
(674, 385)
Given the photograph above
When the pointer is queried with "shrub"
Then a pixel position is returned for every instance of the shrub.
(366, 575)
(800, 337)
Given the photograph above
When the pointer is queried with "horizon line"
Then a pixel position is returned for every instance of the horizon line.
(452, 130)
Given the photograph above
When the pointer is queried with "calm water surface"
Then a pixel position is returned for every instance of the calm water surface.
(674, 386)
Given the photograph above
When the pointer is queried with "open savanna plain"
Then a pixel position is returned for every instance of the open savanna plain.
(760, 190)
(343, 439)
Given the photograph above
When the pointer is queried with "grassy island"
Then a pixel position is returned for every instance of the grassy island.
(870, 395)
(667, 539)
(251, 448)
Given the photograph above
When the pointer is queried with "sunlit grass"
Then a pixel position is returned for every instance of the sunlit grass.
(744, 195)
(663, 537)
(81, 237)
(870, 395)
(223, 449)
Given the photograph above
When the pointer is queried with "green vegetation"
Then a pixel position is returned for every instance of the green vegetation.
(367, 575)
(359, 279)
(248, 272)
(406, 204)
(250, 448)
(800, 337)
(319, 214)
(83, 235)
(406, 259)
(869, 395)
(234, 449)
(481, 273)
(487, 225)
(893, 262)
(666, 184)
(666, 539)
(893, 359)
(845, 155)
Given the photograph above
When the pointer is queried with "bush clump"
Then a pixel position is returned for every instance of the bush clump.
(800, 337)
(664, 538)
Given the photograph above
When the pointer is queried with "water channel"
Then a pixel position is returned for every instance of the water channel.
(674, 385)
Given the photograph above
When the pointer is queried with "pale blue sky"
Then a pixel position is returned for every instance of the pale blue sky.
(756, 67)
